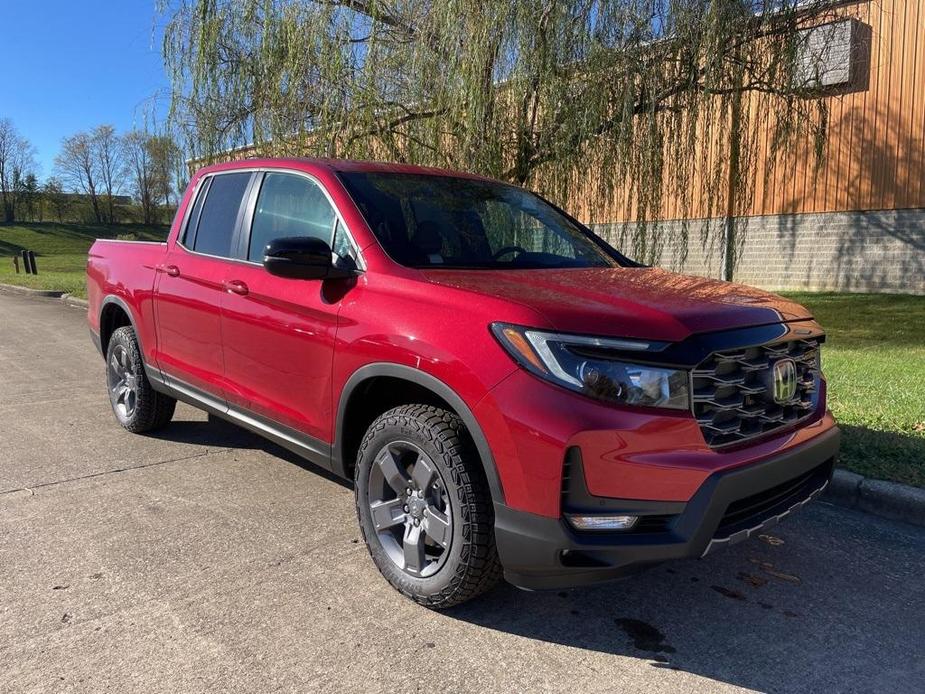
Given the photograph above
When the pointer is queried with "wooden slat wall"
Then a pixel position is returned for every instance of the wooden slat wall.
(875, 149)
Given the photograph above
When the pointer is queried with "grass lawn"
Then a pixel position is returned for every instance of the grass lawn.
(874, 358)
(874, 361)
(61, 251)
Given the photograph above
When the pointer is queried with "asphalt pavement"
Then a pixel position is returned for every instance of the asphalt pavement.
(205, 559)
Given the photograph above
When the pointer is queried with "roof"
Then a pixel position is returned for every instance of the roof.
(337, 165)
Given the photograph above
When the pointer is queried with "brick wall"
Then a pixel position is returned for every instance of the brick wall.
(845, 251)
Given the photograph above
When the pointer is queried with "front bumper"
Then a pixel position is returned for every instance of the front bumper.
(539, 552)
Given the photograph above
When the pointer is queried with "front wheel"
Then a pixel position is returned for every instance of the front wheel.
(424, 507)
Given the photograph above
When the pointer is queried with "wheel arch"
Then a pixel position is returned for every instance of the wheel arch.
(442, 393)
(114, 314)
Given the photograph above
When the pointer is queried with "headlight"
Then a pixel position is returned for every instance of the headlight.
(580, 364)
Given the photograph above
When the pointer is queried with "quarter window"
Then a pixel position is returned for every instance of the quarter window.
(192, 222)
(289, 205)
(219, 215)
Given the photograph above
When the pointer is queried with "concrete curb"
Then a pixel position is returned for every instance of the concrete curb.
(26, 291)
(74, 301)
(886, 499)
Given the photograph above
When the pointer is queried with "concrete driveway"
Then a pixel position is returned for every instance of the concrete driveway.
(204, 559)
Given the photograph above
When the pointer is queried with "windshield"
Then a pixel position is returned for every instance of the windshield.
(428, 221)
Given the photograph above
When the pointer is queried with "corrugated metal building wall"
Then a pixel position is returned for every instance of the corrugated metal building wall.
(834, 224)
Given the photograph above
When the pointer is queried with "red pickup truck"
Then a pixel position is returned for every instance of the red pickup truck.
(509, 394)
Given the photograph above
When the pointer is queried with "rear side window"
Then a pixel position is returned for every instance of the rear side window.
(289, 205)
(219, 214)
(190, 231)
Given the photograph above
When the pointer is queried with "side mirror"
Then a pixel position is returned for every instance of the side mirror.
(303, 258)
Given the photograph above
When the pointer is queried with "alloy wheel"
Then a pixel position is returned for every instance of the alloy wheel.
(410, 508)
(123, 383)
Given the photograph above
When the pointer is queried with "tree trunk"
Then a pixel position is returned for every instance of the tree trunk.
(732, 184)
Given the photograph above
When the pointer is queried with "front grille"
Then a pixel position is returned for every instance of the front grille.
(752, 510)
(732, 394)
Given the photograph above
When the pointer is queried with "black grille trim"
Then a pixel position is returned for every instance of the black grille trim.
(730, 393)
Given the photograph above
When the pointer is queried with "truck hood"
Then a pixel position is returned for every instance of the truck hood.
(647, 303)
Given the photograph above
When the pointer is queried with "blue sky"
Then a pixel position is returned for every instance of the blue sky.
(70, 65)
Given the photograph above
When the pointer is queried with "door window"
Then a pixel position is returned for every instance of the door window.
(219, 215)
(289, 205)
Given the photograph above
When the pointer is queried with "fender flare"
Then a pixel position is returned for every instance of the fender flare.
(431, 383)
(121, 303)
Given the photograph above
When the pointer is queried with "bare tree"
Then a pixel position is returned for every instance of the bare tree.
(17, 163)
(78, 167)
(139, 166)
(107, 150)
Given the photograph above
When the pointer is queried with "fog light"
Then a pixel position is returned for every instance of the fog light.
(601, 522)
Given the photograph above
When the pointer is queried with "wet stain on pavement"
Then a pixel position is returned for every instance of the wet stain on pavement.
(729, 593)
(789, 578)
(645, 636)
(751, 579)
(768, 568)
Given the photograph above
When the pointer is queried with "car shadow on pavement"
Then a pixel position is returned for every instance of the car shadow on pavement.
(219, 432)
(214, 431)
(790, 612)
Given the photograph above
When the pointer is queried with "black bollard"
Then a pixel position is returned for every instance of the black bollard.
(25, 262)
(35, 269)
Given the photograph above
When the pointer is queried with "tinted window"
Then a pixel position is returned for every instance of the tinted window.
(289, 205)
(190, 232)
(445, 221)
(219, 214)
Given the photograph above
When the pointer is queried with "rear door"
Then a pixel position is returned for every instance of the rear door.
(278, 333)
(191, 285)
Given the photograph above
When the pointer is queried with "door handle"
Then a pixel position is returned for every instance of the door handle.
(170, 270)
(235, 287)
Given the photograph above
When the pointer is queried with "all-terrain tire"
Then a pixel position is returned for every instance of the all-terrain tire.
(136, 405)
(470, 566)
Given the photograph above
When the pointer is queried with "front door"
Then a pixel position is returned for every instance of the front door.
(278, 334)
(190, 286)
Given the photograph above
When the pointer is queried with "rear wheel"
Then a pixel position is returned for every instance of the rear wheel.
(137, 406)
(424, 506)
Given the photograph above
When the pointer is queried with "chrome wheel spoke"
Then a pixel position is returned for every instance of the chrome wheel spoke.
(387, 514)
